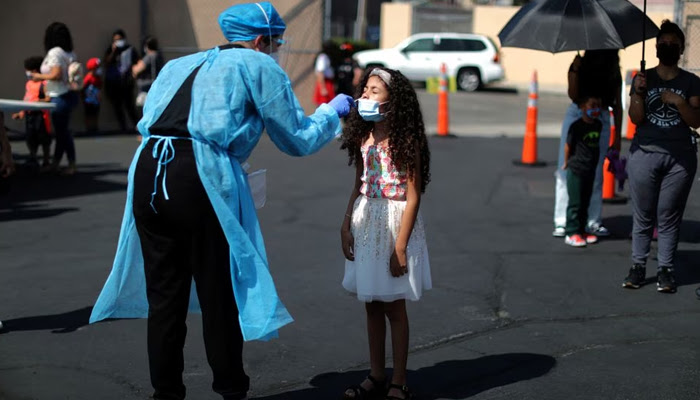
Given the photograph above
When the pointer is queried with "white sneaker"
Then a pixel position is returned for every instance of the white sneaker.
(559, 231)
(598, 230)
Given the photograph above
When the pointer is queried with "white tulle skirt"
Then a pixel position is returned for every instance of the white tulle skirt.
(375, 226)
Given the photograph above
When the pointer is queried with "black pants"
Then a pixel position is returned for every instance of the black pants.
(36, 130)
(184, 240)
(580, 188)
(123, 98)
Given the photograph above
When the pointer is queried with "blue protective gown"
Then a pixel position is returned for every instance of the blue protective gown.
(236, 94)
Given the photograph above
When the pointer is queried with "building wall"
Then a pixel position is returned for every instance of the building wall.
(396, 23)
(181, 26)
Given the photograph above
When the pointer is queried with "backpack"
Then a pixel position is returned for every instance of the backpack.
(75, 75)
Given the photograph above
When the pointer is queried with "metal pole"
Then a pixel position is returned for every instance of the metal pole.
(327, 20)
(678, 13)
(360, 21)
(643, 63)
(143, 9)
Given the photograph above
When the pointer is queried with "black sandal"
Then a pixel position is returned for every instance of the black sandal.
(403, 389)
(359, 393)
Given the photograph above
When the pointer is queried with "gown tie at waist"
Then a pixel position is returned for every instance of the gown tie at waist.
(164, 151)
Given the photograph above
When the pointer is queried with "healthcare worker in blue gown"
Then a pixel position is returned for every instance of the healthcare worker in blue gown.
(189, 211)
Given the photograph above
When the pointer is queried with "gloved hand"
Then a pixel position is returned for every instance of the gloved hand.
(342, 104)
(618, 166)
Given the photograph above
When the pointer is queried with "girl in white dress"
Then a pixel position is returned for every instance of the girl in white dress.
(382, 235)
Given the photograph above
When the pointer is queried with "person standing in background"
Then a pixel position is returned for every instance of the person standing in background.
(119, 58)
(146, 69)
(348, 73)
(58, 43)
(665, 107)
(92, 88)
(596, 74)
(324, 90)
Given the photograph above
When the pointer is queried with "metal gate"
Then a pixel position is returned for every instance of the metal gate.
(687, 15)
(442, 18)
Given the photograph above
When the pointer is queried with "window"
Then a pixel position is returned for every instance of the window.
(420, 45)
(460, 45)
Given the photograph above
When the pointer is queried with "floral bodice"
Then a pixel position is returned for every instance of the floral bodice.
(380, 178)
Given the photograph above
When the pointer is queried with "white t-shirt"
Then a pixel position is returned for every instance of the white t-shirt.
(57, 57)
(323, 64)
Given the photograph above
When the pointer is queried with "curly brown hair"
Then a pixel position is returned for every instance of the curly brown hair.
(406, 129)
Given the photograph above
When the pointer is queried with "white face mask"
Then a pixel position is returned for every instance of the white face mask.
(120, 43)
(369, 110)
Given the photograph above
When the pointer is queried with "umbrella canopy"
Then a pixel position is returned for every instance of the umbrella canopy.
(567, 25)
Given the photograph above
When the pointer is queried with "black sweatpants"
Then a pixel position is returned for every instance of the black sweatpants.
(122, 95)
(183, 240)
(659, 187)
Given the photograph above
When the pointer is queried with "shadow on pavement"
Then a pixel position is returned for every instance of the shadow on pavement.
(33, 211)
(57, 323)
(29, 192)
(620, 227)
(453, 379)
(686, 272)
(499, 89)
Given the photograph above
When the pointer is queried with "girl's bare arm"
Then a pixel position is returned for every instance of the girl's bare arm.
(413, 194)
(346, 238)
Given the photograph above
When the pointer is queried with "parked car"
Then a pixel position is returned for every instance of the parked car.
(473, 59)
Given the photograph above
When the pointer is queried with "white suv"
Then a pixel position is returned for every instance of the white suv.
(473, 59)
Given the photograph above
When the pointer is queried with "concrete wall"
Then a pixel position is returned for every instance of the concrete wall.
(181, 26)
(551, 68)
(396, 23)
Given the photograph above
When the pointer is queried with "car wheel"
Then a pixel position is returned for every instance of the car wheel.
(468, 79)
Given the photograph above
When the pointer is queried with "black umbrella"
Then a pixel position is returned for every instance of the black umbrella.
(567, 25)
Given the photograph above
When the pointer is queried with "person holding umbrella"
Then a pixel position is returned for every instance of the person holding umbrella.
(665, 106)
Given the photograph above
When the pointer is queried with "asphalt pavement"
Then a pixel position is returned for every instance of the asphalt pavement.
(514, 313)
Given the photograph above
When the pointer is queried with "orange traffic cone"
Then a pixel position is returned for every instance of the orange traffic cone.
(631, 127)
(443, 117)
(608, 177)
(529, 156)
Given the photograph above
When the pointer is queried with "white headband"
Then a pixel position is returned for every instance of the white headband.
(383, 75)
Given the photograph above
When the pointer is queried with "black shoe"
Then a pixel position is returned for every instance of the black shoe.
(697, 293)
(636, 277)
(665, 282)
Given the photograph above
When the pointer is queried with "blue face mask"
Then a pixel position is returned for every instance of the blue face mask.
(369, 110)
(593, 112)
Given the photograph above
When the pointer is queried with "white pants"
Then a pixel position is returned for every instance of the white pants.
(561, 196)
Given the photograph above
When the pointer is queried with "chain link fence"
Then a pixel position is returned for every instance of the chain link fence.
(688, 17)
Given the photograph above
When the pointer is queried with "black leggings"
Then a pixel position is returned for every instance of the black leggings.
(183, 240)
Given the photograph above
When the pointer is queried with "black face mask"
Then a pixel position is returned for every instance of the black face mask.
(668, 54)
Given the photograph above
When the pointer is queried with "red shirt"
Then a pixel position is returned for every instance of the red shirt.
(32, 90)
(92, 79)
